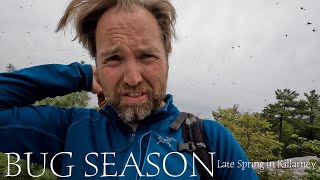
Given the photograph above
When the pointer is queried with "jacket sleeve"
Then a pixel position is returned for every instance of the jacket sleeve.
(227, 150)
(28, 128)
(36, 83)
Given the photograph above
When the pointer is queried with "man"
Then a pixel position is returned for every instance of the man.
(130, 137)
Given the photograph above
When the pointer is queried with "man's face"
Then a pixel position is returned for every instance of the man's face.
(131, 62)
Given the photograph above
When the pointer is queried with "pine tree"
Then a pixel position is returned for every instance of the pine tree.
(313, 107)
(284, 110)
(310, 125)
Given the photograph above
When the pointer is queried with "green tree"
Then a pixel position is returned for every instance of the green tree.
(76, 99)
(313, 174)
(283, 110)
(308, 147)
(313, 107)
(310, 128)
(252, 132)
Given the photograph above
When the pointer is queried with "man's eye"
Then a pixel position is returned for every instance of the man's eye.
(114, 58)
(146, 56)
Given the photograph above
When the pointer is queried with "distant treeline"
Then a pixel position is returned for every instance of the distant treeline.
(290, 127)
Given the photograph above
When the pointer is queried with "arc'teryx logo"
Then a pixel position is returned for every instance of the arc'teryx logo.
(166, 140)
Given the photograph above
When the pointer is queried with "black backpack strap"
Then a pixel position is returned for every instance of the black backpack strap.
(197, 136)
(193, 135)
(200, 123)
(178, 121)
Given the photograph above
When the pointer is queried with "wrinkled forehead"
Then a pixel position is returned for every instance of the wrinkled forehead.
(136, 28)
(138, 20)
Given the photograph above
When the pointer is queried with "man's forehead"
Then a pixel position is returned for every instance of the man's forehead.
(135, 18)
(117, 43)
(137, 24)
(137, 30)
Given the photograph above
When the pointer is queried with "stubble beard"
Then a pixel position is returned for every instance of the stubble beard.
(134, 113)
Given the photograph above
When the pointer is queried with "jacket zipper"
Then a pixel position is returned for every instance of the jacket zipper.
(132, 137)
(130, 142)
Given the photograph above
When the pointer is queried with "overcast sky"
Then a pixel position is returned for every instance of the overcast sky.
(228, 51)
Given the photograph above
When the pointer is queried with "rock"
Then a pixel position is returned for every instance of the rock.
(297, 165)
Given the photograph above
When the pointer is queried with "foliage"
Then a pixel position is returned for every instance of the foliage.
(292, 116)
(311, 125)
(76, 99)
(34, 168)
(313, 106)
(263, 174)
(277, 174)
(308, 147)
(282, 110)
(251, 131)
(313, 174)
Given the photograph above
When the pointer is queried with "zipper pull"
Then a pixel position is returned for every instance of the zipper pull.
(132, 137)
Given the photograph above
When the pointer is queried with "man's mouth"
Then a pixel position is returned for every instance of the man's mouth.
(134, 97)
(134, 94)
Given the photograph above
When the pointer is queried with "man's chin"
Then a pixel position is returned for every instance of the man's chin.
(135, 111)
(134, 114)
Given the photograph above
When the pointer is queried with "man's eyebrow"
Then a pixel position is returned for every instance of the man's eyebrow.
(147, 50)
(116, 49)
(112, 50)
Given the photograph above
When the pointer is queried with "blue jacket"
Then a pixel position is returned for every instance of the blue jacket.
(98, 143)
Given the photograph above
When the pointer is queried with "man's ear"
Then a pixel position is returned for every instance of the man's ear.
(101, 99)
(100, 95)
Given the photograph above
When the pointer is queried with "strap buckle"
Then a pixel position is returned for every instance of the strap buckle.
(189, 147)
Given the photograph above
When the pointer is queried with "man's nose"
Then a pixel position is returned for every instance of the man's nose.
(132, 75)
